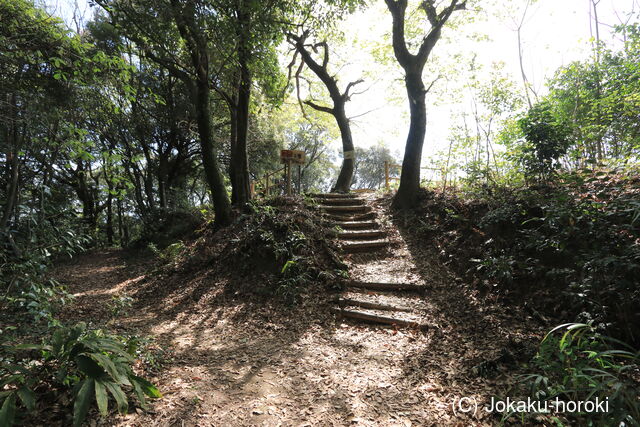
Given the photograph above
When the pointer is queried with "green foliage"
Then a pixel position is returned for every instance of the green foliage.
(369, 166)
(547, 140)
(120, 304)
(23, 273)
(282, 249)
(88, 364)
(294, 276)
(170, 254)
(577, 363)
(570, 240)
(570, 248)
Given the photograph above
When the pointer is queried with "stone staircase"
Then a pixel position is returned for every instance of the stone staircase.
(392, 303)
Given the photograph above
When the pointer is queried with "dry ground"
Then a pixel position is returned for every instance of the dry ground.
(229, 361)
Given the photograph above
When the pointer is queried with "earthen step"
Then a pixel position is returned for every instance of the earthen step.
(346, 209)
(362, 234)
(341, 202)
(333, 196)
(381, 286)
(378, 319)
(352, 218)
(366, 246)
(344, 302)
(356, 225)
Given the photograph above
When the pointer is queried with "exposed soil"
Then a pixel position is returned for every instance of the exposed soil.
(230, 359)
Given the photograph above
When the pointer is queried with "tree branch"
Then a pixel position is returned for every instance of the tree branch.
(345, 94)
(319, 107)
(398, 9)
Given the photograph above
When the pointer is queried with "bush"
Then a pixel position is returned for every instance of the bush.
(547, 139)
(577, 363)
(88, 364)
(571, 249)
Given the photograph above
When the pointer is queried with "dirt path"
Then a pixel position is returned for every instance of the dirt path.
(230, 362)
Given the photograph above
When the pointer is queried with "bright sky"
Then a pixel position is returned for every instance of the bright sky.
(555, 33)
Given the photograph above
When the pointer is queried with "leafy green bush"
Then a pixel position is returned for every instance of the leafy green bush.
(24, 264)
(89, 364)
(547, 139)
(120, 304)
(576, 363)
(571, 249)
(169, 254)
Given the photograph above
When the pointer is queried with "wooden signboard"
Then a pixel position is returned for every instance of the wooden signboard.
(292, 157)
(295, 157)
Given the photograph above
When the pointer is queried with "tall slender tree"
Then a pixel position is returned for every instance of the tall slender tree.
(339, 98)
(413, 65)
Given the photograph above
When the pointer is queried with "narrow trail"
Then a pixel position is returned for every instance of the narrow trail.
(383, 287)
(227, 363)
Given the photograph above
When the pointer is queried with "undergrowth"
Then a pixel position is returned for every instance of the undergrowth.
(576, 363)
(573, 246)
(44, 362)
(278, 250)
(284, 243)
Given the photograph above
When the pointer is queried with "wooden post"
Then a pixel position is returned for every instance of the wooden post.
(288, 166)
(386, 175)
(299, 179)
(266, 192)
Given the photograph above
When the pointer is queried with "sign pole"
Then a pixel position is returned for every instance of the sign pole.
(289, 178)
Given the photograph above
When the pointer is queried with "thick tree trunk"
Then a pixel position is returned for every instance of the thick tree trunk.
(233, 139)
(241, 192)
(410, 177)
(413, 65)
(221, 205)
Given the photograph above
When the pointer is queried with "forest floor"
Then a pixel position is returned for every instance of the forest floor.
(221, 360)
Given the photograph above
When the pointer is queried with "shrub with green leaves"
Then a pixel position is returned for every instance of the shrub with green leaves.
(89, 364)
(577, 363)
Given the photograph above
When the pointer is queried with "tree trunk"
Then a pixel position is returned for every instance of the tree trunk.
(163, 177)
(241, 192)
(233, 138)
(343, 183)
(410, 176)
(120, 225)
(13, 166)
(109, 226)
(200, 95)
(413, 65)
(221, 205)
(148, 180)
(109, 231)
(13, 172)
